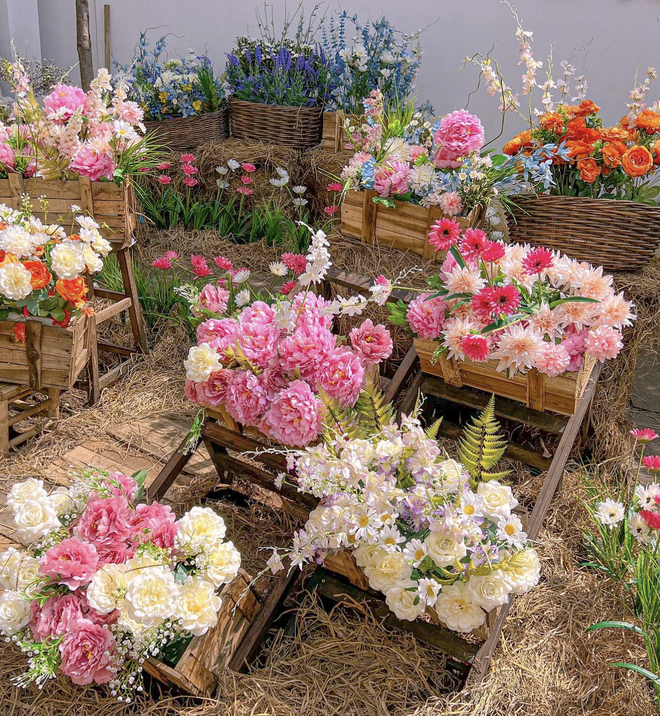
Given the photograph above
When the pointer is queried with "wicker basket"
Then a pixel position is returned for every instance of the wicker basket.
(618, 235)
(182, 134)
(297, 127)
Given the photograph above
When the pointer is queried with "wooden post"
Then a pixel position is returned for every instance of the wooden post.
(33, 350)
(106, 35)
(84, 44)
(130, 289)
(369, 217)
(4, 426)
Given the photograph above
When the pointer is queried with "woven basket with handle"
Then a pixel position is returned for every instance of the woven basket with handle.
(618, 235)
(182, 134)
(297, 127)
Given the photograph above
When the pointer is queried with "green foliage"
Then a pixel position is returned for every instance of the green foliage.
(212, 96)
(432, 430)
(481, 446)
(397, 313)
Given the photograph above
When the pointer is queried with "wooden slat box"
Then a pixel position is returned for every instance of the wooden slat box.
(195, 671)
(405, 227)
(535, 390)
(51, 357)
(111, 206)
(334, 136)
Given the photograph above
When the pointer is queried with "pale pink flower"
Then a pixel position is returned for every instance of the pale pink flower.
(392, 178)
(87, 654)
(578, 313)
(312, 310)
(219, 333)
(545, 321)
(372, 343)
(257, 343)
(450, 204)
(194, 392)
(214, 390)
(464, 280)
(553, 359)
(306, 349)
(70, 562)
(615, 311)
(95, 165)
(342, 375)
(591, 283)
(246, 398)
(120, 485)
(214, 298)
(455, 330)
(258, 312)
(518, 348)
(426, 316)
(458, 134)
(155, 523)
(294, 417)
(64, 100)
(603, 342)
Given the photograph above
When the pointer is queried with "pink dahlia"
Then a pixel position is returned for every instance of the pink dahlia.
(444, 233)
(553, 359)
(70, 562)
(246, 398)
(295, 262)
(155, 523)
(538, 260)
(214, 390)
(426, 316)
(294, 417)
(105, 522)
(87, 654)
(95, 165)
(651, 463)
(342, 376)
(312, 310)
(190, 182)
(493, 301)
(306, 350)
(258, 343)
(189, 169)
(219, 333)
(473, 243)
(459, 134)
(392, 179)
(63, 101)
(644, 435)
(603, 343)
(450, 204)
(518, 348)
(372, 343)
(258, 312)
(214, 298)
(475, 347)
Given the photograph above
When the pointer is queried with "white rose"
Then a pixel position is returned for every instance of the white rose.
(15, 282)
(128, 623)
(67, 260)
(386, 569)
(364, 554)
(498, 500)
(10, 561)
(202, 361)
(222, 564)
(453, 473)
(198, 606)
(523, 570)
(151, 596)
(490, 590)
(199, 530)
(61, 500)
(456, 609)
(107, 589)
(31, 489)
(27, 577)
(402, 601)
(14, 612)
(443, 549)
(92, 260)
(34, 519)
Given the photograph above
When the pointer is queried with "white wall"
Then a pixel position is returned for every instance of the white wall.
(607, 39)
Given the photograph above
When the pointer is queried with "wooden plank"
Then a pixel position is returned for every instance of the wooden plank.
(106, 36)
(108, 312)
(361, 284)
(408, 364)
(172, 469)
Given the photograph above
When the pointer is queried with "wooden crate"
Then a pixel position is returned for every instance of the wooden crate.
(405, 227)
(112, 206)
(334, 136)
(51, 357)
(535, 390)
(14, 409)
(197, 668)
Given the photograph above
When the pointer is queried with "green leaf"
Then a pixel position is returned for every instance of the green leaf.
(639, 670)
(437, 283)
(617, 625)
(58, 314)
(482, 445)
(497, 325)
(454, 251)
(4, 313)
(573, 299)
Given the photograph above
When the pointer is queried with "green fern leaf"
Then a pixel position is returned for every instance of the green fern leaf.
(481, 446)
(432, 430)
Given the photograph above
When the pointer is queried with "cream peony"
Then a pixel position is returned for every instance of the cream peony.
(456, 609)
(67, 260)
(151, 595)
(15, 282)
(92, 260)
(498, 500)
(17, 241)
(30, 489)
(222, 564)
(386, 569)
(107, 589)
(489, 590)
(34, 519)
(14, 612)
(198, 606)
(523, 571)
(443, 549)
(199, 530)
(202, 361)
(402, 601)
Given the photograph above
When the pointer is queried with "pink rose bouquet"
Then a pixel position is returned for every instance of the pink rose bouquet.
(107, 581)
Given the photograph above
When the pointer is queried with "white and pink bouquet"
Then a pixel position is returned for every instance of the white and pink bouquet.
(524, 307)
(270, 356)
(107, 581)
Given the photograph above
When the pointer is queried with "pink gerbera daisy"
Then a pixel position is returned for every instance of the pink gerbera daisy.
(493, 251)
(537, 260)
(652, 463)
(162, 262)
(644, 435)
(287, 287)
(493, 301)
(475, 347)
(295, 262)
(444, 233)
(164, 179)
(473, 243)
(200, 267)
(247, 167)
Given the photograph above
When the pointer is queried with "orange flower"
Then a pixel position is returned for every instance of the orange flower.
(612, 155)
(72, 290)
(656, 151)
(613, 134)
(88, 309)
(637, 161)
(648, 121)
(578, 150)
(19, 332)
(513, 146)
(584, 109)
(552, 122)
(7, 258)
(40, 274)
(589, 170)
(574, 127)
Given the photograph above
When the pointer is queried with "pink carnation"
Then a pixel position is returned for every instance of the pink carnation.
(294, 417)
(603, 343)
(426, 316)
(450, 204)
(87, 654)
(342, 376)
(459, 133)
(214, 390)
(246, 398)
(257, 312)
(214, 298)
(258, 343)
(372, 343)
(306, 349)
(105, 522)
(392, 179)
(156, 523)
(64, 100)
(70, 562)
(92, 164)
(553, 359)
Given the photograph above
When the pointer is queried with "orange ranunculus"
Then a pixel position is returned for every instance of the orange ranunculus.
(40, 274)
(574, 127)
(513, 146)
(589, 170)
(637, 161)
(584, 109)
(552, 122)
(648, 121)
(655, 150)
(588, 134)
(613, 134)
(578, 150)
(612, 155)
(72, 290)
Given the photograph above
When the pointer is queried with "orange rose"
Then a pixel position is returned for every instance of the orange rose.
(72, 290)
(637, 161)
(40, 274)
(656, 151)
(613, 134)
(584, 109)
(6, 258)
(552, 122)
(612, 155)
(578, 150)
(513, 146)
(648, 121)
(589, 170)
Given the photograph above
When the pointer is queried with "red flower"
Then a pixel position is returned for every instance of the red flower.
(493, 301)
(537, 260)
(163, 166)
(19, 332)
(200, 267)
(652, 463)
(244, 190)
(246, 179)
(247, 167)
(644, 435)
(171, 255)
(187, 158)
(652, 519)
(162, 262)
(335, 186)
(473, 243)
(295, 262)
(189, 169)
(492, 252)
(444, 233)
(475, 347)
(330, 210)
(64, 323)
(287, 287)
(223, 264)
(190, 181)
(164, 179)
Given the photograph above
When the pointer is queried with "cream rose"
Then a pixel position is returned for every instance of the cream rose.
(107, 589)
(14, 612)
(199, 530)
(222, 564)
(523, 570)
(15, 282)
(402, 601)
(202, 361)
(386, 569)
(92, 260)
(443, 549)
(10, 564)
(27, 577)
(489, 590)
(498, 500)
(453, 473)
(30, 489)
(67, 260)
(198, 606)
(456, 609)
(61, 500)
(151, 596)
(34, 519)
(364, 554)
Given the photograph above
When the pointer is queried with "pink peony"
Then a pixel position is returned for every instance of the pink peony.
(342, 376)
(273, 380)
(87, 654)
(64, 100)
(553, 359)
(120, 485)
(246, 398)
(426, 316)
(95, 165)
(372, 343)
(312, 310)
(444, 234)
(70, 562)
(105, 522)
(392, 179)
(306, 349)
(57, 615)
(155, 523)
(459, 133)
(294, 417)
(450, 204)
(219, 333)
(6, 156)
(214, 298)
(475, 347)
(257, 312)
(195, 392)
(258, 343)
(214, 390)
(603, 343)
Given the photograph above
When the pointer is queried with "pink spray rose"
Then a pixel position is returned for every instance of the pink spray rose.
(70, 562)
(306, 349)
(459, 133)
(214, 390)
(156, 523)
(426, 316)
(294, 417)
(342, 375)
(372, 343)
(95, 165)
(64, 100)
(87, 654)
(392, 179)
(214, 298)
(246, 398)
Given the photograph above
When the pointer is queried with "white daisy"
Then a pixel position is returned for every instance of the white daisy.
(278, 268)
(610, 512)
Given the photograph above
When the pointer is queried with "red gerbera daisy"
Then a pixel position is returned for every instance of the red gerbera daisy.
(537, 260)
(287, 287)
(492, 252)
(475, 347)
(295, 262)
(493, 301)
(444, 233)
(652, 463)
(652, 519)
(473, 243)
(644, 435)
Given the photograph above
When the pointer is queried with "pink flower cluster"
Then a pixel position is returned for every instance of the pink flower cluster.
(459, 134)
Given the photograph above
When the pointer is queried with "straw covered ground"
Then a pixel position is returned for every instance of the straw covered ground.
(345, 663)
